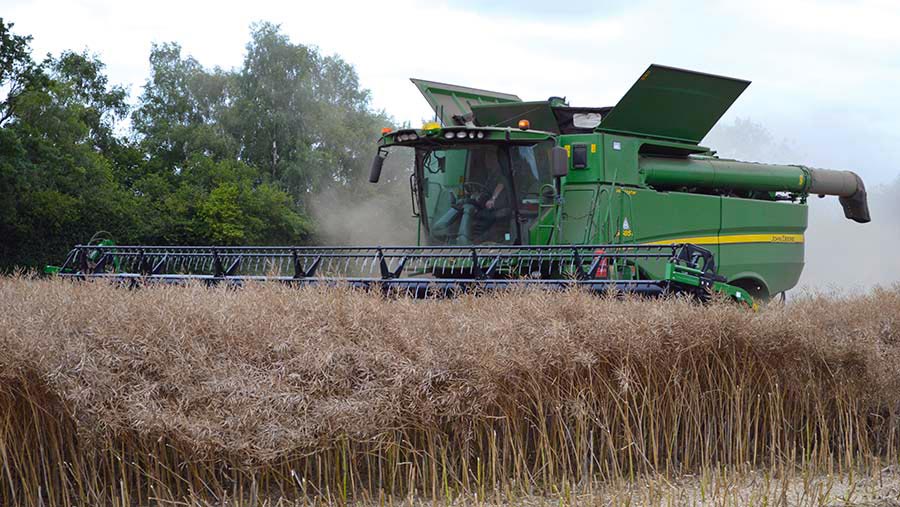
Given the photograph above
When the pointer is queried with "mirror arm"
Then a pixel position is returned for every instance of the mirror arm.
(414, 193)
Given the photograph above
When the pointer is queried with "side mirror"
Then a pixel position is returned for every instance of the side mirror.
(559, 161)
(377, 164)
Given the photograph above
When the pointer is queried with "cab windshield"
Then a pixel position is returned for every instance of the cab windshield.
(484, 193)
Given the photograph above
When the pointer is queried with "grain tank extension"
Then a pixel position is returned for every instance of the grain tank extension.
(510, 192)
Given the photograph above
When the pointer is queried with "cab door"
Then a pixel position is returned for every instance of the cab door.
(580, 222)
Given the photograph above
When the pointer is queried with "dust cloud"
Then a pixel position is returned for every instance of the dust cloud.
(369, 214)
(845, 256)
(342, 218)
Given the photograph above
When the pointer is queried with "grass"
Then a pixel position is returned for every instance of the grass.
(271, 395)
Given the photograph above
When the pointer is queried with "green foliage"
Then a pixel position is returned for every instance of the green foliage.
(305, 117)
(17, 70)
(220, 215)
(58, 157)
(210, 156)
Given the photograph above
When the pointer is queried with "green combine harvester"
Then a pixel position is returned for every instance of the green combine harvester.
(511, 193)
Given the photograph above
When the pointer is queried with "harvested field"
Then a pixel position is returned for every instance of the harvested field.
(270, 394)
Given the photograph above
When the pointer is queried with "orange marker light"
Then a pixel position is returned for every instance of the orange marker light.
(524, 124)
(386, 130)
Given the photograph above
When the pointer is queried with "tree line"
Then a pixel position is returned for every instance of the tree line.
(201, 156)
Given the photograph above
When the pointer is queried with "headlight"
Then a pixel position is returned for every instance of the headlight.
(461, 135)
(480, 135)
(412, 137)
(449, 135)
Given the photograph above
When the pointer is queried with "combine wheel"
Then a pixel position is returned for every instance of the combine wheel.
(757, 290)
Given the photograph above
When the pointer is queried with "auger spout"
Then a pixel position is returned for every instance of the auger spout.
(847, 185)
(721, 174)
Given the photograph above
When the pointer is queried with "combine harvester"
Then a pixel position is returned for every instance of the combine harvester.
(511, 193)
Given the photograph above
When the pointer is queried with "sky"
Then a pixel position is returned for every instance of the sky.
(826, 74)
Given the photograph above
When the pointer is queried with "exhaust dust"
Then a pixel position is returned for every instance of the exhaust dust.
(369, 214)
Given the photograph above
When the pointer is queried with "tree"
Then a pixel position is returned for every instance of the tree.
(298, 123)
(182, 110)
(17, 69)
(59, 160)
(196, 187)
(304, 116)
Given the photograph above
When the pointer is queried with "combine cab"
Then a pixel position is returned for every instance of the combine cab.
(540, 193)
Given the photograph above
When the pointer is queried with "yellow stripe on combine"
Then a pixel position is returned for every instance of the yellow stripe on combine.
(734, 238)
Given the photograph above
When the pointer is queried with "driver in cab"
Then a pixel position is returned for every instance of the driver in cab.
(486, 175)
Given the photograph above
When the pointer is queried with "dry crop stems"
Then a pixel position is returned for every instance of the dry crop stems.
(189, 394)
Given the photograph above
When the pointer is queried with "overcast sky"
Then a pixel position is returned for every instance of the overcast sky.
(826, 74)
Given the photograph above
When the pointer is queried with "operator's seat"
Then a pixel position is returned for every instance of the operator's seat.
(494, 228)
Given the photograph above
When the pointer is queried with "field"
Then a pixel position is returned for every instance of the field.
(270, 395)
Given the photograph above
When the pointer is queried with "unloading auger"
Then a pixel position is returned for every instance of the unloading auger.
(511, 193)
